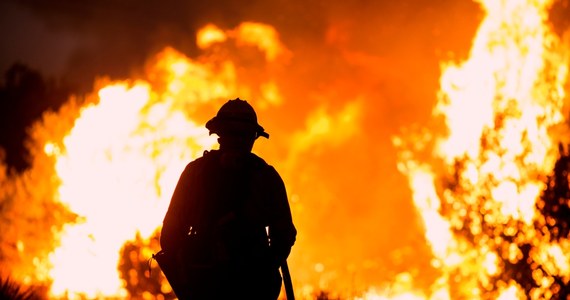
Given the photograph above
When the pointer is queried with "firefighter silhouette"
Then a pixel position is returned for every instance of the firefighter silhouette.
(228, 228)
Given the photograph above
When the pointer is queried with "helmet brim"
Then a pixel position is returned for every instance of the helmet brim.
(218, 125)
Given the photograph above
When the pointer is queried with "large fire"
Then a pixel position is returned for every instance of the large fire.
(478, 191)
(112, 160)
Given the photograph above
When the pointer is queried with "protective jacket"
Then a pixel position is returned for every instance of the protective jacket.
(230, 223)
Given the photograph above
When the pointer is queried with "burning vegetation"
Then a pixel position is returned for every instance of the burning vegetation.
(483, 189)
(488, 175)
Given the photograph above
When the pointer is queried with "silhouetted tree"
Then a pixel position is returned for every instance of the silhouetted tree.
(555, 201)
(554, 207)
(12, 290)
(30, 217)
(551, 225)
(24, 95)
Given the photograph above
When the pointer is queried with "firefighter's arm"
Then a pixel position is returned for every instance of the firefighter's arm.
(282, 232)
(174, 227)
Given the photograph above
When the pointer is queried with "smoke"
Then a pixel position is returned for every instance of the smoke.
(112, 38)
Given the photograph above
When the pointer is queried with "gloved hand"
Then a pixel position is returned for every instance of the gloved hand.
(280, 254)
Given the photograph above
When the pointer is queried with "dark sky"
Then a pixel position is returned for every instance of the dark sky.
(81, 39)
(25, 38)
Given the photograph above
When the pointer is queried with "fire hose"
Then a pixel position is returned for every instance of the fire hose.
(287, 281)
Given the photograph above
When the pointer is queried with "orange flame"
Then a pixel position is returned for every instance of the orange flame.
(117, 166)
(499, 107)
(262, 36)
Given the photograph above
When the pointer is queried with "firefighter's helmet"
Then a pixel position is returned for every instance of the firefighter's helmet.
(236, 115)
